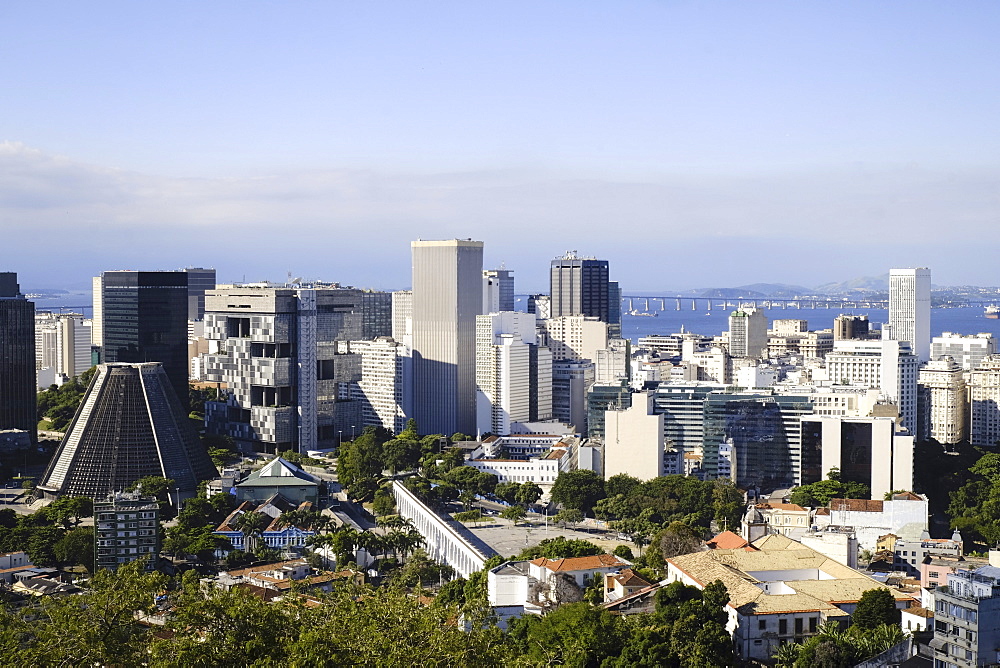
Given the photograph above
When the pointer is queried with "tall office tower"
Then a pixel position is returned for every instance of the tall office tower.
(97, 320)
(280, 351)
(748, 333)
(910, 309)
(376, 313)
(199, 281)
(18, 408)
(614, 310)
(764, 439)
(144, 319)
(580, 286)
(967, 350)
(513, 373)
(850, 327)
(571, 380)
(62, 343)
(984, 403)
(944, 404)
(541, 306)
(575, 337)
(385, 390)
(886, 365)
(498, 290)
(868, 450)
(130, 425)
(447, 297)
(402, 316)
(602, 398)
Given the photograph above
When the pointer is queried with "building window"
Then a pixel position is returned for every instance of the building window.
(761, 624)
(782, 627)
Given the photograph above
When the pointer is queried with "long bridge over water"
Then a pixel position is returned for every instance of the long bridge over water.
(643, 304)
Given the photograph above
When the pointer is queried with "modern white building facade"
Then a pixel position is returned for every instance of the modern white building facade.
(447, 297)
(910, 309)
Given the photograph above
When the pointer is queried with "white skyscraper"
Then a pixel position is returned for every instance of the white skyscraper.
(447, 297)
(748, 333)
(888, 366)
(910, 309)
(385, 388)
(513, 373)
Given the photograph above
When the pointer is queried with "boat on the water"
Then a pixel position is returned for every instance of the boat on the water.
(992, 312)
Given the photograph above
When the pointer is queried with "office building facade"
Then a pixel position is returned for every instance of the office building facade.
(886, 365)
(968, 350)
(513, 373)
(282, 353)
(143, 318)
(447, 297)
(200, 280)
(385, 389)
(910, 309)
(984, 403)
(18, 408)
(581, 286)
(943, 401)
(748, 333)
(498, 290)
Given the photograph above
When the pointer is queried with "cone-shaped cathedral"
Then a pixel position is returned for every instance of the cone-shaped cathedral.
(130, 425)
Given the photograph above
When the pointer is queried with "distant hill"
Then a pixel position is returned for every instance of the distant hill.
(863, 285)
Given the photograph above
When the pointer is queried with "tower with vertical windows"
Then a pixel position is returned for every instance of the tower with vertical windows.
(910, 309)
(17, 358)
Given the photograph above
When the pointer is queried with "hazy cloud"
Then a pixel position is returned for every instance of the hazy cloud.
(63, 221)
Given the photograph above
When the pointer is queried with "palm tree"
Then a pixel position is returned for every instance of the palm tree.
(251, 524)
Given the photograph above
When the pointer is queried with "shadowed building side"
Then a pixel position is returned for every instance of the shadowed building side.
(129, 425)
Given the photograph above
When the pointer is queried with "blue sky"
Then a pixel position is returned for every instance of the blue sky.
(689, 143)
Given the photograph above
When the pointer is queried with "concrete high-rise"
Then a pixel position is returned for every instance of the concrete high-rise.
(281, 350)
(513, 373)
(910, 309)
(199, 281)
(886, 365)
(498, 290)
(18, 408)
(447, 297)
(984, 403)
(944, 402)
(748, 333)
(143, 318)
(385, 390)
(580, 286)
(130, 425)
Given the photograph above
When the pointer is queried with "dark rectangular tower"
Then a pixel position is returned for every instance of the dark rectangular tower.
(17, 358)
(580, 286)
(144, 319)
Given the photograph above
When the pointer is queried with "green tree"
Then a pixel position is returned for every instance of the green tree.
(621, 483)
(507, 491)
(560, 548)
(528, 493)
(876, 607)
(569, 516)
(514, 513)
(579, 489)
(575, 634)
(76, 548)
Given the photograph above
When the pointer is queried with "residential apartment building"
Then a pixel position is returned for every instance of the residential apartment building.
(967, 619)
(984, 403)
(571, 380)
(126, 528)
(944, 401)
(385, 388)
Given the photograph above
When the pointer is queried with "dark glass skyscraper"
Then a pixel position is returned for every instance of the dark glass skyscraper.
(17, 357)
(144, 319)
(580, 286)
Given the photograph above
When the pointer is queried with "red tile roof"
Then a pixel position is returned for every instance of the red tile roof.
(856, 505)
(727, 540)
(580, 563)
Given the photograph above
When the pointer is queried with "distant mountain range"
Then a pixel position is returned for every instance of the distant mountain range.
(873, 287)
